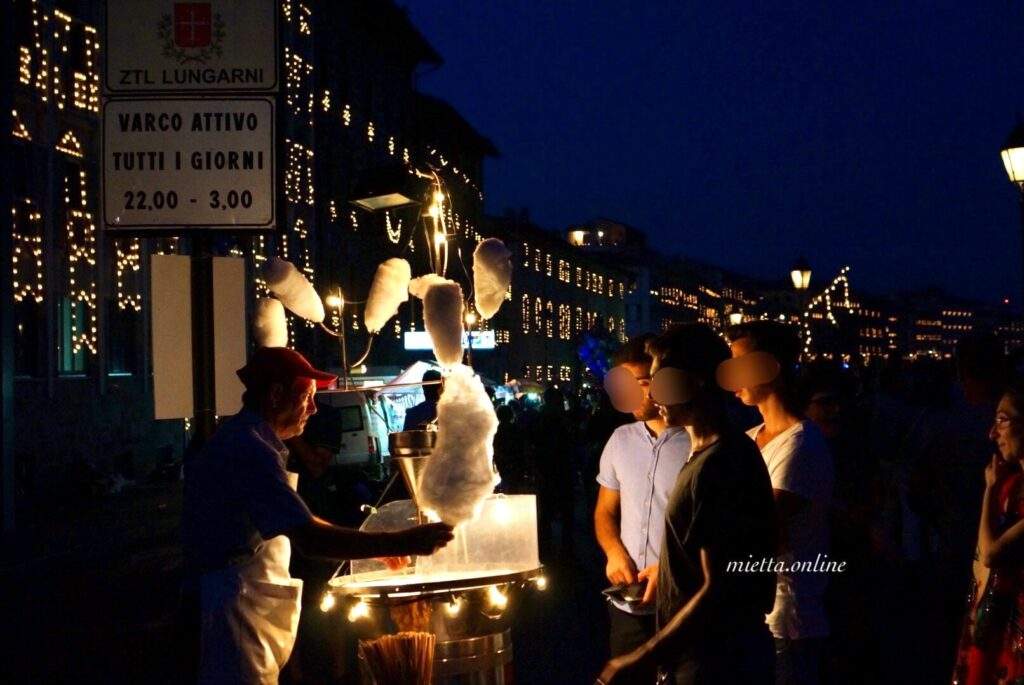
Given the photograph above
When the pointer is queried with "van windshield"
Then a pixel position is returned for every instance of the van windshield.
(351, 419)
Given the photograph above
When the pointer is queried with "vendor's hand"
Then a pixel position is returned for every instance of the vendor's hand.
(650, 574)
(995, 470)
(621, 670)
(620, 569)
(395, 563)
(425, 539)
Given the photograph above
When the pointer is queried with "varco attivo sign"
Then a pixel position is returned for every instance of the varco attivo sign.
(165, 46)
(188, 162)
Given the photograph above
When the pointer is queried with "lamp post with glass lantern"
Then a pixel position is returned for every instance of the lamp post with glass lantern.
(1013, 159)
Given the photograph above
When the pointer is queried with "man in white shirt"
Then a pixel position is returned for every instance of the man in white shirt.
(639, 466)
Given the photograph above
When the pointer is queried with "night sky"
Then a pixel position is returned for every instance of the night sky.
(746, 135)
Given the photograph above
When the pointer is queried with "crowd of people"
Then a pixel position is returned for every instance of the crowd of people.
(763, 519)
(876, 472)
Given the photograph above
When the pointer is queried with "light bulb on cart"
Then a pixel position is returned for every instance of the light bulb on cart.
(453, 607)
(327, 603)
(359, 610)
(497, 598)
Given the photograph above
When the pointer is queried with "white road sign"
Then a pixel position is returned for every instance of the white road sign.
(162, 46)
(186, 162)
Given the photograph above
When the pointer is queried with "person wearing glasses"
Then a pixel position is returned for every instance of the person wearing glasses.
(639, 466)
(992, 641)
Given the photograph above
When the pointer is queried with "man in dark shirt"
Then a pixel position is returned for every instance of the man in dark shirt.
(711, 626)
(426, 411)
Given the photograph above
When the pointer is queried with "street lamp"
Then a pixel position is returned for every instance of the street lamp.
(1013, 159)
(801, 274)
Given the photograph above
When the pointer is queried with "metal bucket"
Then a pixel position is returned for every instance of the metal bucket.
(485, 660)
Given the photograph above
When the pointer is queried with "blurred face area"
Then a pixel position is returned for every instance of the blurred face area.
(647, 411)
(749, 374)
(670, 393)
(291, 407)
(1008, 431)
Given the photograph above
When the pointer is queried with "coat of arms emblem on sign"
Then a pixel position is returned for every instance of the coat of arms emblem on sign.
(193, 34)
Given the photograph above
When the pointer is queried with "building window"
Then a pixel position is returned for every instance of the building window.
(72, 318)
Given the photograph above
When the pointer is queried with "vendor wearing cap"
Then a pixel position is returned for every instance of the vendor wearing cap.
(241, 512)
(710, 621)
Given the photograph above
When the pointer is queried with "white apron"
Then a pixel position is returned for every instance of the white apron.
(250, 615)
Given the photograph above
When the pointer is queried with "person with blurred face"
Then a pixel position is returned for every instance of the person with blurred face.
(990, 645)
(762, 373)
(709, 620)
(639, 466)
(241, 513)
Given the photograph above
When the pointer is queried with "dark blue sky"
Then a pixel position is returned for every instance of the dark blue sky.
(748, 134)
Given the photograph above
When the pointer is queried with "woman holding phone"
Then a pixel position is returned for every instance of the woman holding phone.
(992, 643)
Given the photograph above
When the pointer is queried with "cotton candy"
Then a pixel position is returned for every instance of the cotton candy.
(389, 290)
(442, 315)
(269, 326)
(291, 287)
(492, 274)
(418, 286)
(459, 474)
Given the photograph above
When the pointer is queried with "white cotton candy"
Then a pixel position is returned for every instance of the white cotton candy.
(442, 315)
(269, 326)
(292, 288)
(459, 474)
(418, 286)
(389, 290)
(492, 274)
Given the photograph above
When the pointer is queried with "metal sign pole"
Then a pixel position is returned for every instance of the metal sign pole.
(203, 377)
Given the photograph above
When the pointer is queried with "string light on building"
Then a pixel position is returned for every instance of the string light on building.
(80, 242)
(27, 259)
(128, 261)
(19, 132)
(69, 145)
(823, 304)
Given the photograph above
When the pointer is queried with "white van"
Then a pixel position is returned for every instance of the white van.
(365, 422)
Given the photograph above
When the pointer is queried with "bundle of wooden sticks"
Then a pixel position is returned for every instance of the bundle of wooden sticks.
(400, 659)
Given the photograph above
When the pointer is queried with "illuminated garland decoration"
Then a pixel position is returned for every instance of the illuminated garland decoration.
(298, 82)
(305, 257)
(128, 263)
(19, 132)
(80, 234)
(259, 257)
(69, 145)
(298, 175)
(824, 300)
(394, 232)
(27, 237)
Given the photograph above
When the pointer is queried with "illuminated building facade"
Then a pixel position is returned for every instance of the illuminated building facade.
(559, 295)
(83, 369)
